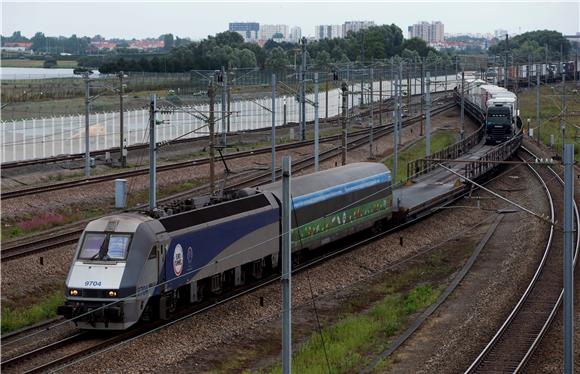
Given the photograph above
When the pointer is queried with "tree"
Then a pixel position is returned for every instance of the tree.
(167, 41)
(552, 39)
(277, 59)
(323, 59)
(38, 42)
(229, 38)
(247, 59)
(418, 45)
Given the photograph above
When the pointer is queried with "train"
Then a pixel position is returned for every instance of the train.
(498, 105)
(520, 73)
(132, 267)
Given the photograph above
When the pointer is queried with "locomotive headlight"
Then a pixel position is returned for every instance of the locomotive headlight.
(74, 292)
(112, 293)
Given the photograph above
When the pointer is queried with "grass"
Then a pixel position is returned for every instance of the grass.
(439, 140)
(18, 63)
(347, 341)
(30, 224)
(14, 319)
(550, 106)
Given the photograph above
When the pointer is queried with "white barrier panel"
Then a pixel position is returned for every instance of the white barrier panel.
(47, 137)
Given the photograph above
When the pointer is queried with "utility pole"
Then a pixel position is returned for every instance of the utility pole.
(326, 99)
(409, 92)
(422, 96)
(462, 103)
(428, 116)
(362, 59)
(400, 101)
(576, 70)
(506, 79)
(538, 121)
(87, 125)
(529, 71)
(568, 158)
(286, 266)
(563, 105)
(316, 134)
(344, 119)
(371, 145)
(211, 140)
(229, 92)
(546, 49)
(224, 90)
(381, 97)
(152, 153)
(273, 128)
(302, 91)
(392, 76)
(560, 70)
(396, 130)
(122, 155)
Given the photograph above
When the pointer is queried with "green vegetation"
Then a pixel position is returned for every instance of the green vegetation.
(30, 224)
(439, 140)
(536, 44)
(349, 340)
(550, 104)
(16, 318)
(229, 50)
(18, 63)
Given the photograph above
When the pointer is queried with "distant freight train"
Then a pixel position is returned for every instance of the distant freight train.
(133, 266)
(499, 106)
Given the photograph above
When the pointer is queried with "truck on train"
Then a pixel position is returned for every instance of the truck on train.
(499, 107)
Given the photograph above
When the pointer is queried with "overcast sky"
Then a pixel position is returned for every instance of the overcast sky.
(132, 19)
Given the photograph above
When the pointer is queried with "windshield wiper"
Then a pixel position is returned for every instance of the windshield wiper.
(102, 250)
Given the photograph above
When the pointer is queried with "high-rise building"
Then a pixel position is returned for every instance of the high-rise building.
(295, 34)
(437, 32)
(327, 32)
(430, 32)
(355, 26)
(248, 30)
(269, 31)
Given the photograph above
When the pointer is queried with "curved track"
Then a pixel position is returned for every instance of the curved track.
(63, 352)
(24, 248)
(511, 347)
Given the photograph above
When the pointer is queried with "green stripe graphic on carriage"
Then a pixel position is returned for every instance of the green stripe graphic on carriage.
(341, 220)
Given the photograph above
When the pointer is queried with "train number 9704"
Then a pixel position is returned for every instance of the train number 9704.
(92, 283)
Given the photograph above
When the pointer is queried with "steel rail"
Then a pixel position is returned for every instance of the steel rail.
(483, 358)
(39, 245)
(5, 195)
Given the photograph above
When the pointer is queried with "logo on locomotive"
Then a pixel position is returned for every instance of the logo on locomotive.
(178, 260)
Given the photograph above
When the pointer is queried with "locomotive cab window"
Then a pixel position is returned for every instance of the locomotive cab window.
(105, 247)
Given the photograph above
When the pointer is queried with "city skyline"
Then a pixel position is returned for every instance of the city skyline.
(166, 18)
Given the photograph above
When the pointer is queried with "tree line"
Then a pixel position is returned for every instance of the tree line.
(229, 50)
(538, 45)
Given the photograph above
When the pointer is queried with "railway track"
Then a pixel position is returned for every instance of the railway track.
(106, 343)
(23, 248)
(78, 156)
(5, 195)
(514, 343)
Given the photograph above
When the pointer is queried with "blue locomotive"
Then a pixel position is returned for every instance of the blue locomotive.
(130, 267)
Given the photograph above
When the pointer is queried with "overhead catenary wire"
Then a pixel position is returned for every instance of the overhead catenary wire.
(192, 272)
(360, 280)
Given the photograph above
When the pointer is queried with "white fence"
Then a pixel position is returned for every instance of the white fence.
(47, 137)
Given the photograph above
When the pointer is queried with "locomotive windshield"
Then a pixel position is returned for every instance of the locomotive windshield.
(105, 247)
